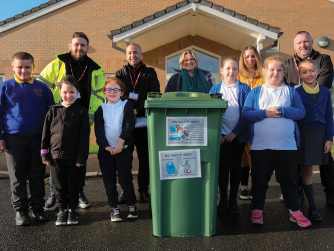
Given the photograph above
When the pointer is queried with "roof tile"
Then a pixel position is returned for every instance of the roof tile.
(206, 3)
(10, 19)
(229, 12)
(2, 23)
(137, 23)
(252, 21)
(27, 12)
(240, 16)
(274, 29)
(170, 8)
(263, 25)
(193, 1)
(44, 5)
(18, 16)
(126, 28)
(181, 4)
(148, 18)
(115, 32)
(217, 7)
(52, 2)
(159, 13)
(35, 9)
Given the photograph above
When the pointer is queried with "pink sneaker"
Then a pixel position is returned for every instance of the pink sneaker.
(257, 216)
(300, 219)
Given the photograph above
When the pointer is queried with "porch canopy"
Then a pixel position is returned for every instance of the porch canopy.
(195, 17)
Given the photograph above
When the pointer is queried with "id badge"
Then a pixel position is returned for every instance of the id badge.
(133, 96)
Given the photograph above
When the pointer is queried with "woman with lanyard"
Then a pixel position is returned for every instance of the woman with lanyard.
(250, 73)
(189, 78)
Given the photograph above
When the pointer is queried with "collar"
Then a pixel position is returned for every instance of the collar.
(135, 68)
(310, 90)
(30, 81)
(300, 59)
(119, 103)
(231, 86)
(73, 59)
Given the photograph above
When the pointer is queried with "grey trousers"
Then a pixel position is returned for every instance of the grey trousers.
(24, 162)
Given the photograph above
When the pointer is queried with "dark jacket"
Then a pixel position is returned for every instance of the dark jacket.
(147, 82)
(175, 82)
(66, 132)
(325, 76)
(128, 125)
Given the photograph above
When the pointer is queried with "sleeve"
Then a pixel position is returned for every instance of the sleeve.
(129, 122)
(325, 77)
(98, 87)
(84, 138)
(248, 111)
(329, 118)
(170, 87)
(49, 98)
(2, 108)
(101, 139)
(297, 110)
(46, 136)
(154, 86)
(242, 123)
(48, 74)
(286, 72)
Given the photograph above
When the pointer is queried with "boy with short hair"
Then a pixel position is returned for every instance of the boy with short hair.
(24, 103)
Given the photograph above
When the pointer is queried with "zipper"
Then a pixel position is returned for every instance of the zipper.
(61, 134)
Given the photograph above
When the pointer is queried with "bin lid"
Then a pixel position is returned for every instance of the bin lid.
(185, 100)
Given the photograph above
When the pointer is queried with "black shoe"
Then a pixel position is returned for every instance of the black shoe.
(330, 202)
(22, 218)
(51, 203)
(115, 214)
(314, 217)
(121, 199)
(222, 208)
(62, 218)
(132, 212)
(145, 197)
(73, 218)
(244, 195)
(40, 215)
(233, 207)
(83, 202)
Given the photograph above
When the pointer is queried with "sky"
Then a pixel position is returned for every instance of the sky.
(10, 8)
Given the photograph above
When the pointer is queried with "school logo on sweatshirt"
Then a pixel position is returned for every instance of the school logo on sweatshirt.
(38, 92)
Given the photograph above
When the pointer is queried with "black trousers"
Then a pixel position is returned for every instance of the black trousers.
(284, 163)
(82, 178)
(229, 168)
(327, 177)
(141, 142)
(244, 175)
(122, 162)
(66, 182)
(24, 162)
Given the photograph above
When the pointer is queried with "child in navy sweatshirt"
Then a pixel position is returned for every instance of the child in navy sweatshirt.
(234, 135)
(316, 129)
(24, 103)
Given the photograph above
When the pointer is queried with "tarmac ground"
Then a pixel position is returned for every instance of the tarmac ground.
(96, 232)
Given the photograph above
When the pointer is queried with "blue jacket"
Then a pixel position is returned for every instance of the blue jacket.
(319, 114)
(241, 129)
(252, 113)
(23, 107)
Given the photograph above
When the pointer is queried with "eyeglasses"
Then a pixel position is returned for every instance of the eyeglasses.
(109, 90)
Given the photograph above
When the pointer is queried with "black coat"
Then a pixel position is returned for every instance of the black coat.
(325, 76)
(128, 125)
(175, 82)
(147, 82)
(66, 132)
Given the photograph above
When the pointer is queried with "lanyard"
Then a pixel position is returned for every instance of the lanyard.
(134, 85)
(82, 73)
(294, 59)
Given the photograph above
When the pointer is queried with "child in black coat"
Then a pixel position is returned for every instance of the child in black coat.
(114, 123)
(66, 132)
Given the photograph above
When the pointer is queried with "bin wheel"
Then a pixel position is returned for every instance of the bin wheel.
(149, 209)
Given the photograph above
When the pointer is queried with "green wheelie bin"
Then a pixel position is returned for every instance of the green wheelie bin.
(184, 131)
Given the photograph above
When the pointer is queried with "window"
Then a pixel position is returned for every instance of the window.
(108, 75)
(2, 78)
(206, 61)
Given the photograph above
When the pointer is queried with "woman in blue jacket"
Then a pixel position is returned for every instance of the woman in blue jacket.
(233, 136)
(273, 110)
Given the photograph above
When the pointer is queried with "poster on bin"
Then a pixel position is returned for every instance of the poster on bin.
(186, 131)
(180, 164)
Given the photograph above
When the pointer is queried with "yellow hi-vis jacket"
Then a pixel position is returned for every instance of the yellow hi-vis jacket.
(56, 71)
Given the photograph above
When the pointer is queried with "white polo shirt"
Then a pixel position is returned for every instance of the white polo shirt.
(232, 113)
(274, 133)
(113, 118)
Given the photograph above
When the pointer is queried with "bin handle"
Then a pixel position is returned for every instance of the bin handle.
(154, 95)
(216, 95)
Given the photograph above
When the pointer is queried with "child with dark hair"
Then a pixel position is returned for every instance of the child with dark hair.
(114, 123)
(24, 103)
(66, 133)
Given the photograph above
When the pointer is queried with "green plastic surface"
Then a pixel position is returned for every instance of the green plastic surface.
(184, 207)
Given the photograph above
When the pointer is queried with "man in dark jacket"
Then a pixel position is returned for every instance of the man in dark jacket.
(139, 80)
(303, 43)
